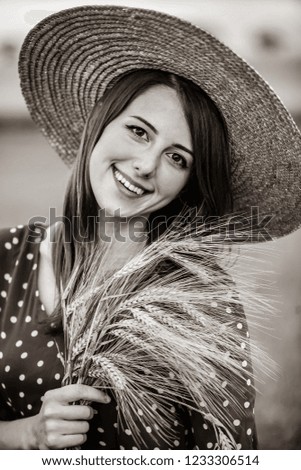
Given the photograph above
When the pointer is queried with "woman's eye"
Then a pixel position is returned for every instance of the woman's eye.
(138, 132)
(177, 159)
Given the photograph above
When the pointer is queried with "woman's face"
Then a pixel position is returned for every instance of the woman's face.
(143, 158)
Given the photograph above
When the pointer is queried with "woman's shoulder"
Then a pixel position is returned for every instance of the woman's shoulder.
(15, 240)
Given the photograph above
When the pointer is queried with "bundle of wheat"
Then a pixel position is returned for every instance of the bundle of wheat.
(162, 330)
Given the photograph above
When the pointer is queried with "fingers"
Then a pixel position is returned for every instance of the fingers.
(66, 427)
(58, 441)
(63, 424)
(75, 392)
(58, 411)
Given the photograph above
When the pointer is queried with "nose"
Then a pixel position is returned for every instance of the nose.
(146, 164)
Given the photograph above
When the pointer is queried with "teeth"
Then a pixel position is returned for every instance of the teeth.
(128, 185)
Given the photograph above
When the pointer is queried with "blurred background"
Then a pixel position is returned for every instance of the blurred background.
(267, 33)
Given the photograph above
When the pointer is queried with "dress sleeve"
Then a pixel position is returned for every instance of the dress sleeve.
(240, 430)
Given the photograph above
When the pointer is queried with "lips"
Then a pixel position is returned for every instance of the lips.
(129, 184)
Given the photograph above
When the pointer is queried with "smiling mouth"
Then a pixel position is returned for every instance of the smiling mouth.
(127, 185)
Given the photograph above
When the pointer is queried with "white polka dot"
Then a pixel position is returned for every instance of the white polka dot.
(43, 308)
(13, 319)
(134, 448)
(15, 241)
(239, 326)
(247, 334)
(3, 294)
(244, 363)
(213, 304)
(25, 285)
(209, 445)
(154, 407)
(22, 377)
(249, 382)
(17, 262)
(34, 333)
(1, 354)
(20, 226)
(7, 277)
(20, 303)
(225, 403)
(236, 422)
(186, 432)
(205, 426)
(249, 431)
(202, 404)
(57, 376)
(102, 443)
(21, 394)
(172, 409)
(176, 423)
(7, 368)
(243, 345)
(40, 363)
(19, 343)
(50, 344)
(39, 381)
(148, 429)
(128, 432)
(192, 429)
(29, 256)
(115, 425)
(8, 245)
(121, 447)
(100, 430)
(224, 384)
(160, 390)
(246, 404)
(228, 310)
(239, 446)
(3, 386)
(13, 230)
(27, 319)
(34, 268)
(140, 412)
(212, 375)
(24, 355)
(176, 443)
(29, 407)
(3, 334)
(171, 375)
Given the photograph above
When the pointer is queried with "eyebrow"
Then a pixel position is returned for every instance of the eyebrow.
(156, 132)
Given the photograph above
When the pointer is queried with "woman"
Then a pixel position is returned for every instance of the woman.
(154, 143)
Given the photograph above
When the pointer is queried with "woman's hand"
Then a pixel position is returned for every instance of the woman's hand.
(60, 424)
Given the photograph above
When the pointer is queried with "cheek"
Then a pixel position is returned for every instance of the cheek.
(173, 183)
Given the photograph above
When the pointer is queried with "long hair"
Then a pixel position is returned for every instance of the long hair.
(208, 188)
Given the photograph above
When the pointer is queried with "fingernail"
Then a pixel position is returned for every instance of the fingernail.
(95, 411)
(107, 399)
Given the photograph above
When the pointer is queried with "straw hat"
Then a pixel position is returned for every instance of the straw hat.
(69, 59)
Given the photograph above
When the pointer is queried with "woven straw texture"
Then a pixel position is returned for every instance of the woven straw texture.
(70, 58)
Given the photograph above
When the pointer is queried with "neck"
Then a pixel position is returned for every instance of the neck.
(112, 228)
(125, 236)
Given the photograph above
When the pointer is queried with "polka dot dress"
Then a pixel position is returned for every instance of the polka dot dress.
(30, 363)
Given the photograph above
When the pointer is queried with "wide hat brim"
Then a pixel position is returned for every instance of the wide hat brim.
(69, 59)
